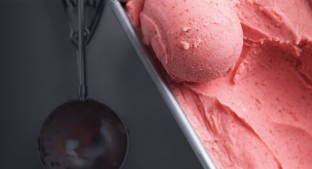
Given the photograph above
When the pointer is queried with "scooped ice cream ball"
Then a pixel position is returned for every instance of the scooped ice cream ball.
(195, 41)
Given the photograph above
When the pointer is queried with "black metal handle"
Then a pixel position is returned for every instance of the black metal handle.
(83, 18)
(92, 13)
(82, 88)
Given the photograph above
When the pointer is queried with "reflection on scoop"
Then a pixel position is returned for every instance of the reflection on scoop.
(83, 135)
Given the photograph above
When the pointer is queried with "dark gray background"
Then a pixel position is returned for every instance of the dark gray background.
(38, 73)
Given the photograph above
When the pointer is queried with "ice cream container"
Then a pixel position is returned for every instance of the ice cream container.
(155, 73)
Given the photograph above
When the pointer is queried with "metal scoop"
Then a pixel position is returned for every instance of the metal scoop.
(83, 134)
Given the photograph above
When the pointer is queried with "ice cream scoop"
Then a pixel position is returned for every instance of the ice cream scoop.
(83, 134)
(195, 41)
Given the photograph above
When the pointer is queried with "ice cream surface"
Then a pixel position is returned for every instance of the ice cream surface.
(258, 114)
(192, 44)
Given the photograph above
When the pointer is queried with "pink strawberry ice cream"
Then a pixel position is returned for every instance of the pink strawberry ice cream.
(259, 113)
(192, 44)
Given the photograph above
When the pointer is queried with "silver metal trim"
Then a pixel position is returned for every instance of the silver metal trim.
(162, 86)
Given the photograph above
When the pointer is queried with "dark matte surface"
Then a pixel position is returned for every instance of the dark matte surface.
(38, 73)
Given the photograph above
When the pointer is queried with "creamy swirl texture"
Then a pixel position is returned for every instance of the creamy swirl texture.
(259, 114)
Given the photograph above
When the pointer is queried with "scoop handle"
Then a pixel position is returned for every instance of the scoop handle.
(82, 88)
(83, 22)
